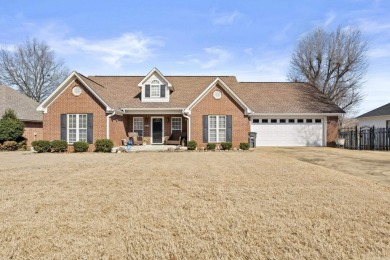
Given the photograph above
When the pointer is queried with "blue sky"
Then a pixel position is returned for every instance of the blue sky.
(252, 40)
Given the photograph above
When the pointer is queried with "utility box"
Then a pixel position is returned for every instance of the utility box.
(252, 139)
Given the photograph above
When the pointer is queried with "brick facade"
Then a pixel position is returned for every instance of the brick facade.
(67, 103)
(32, 131)
(224, 106)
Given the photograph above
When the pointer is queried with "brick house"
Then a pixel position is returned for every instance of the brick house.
(208, 109)
(25, 109)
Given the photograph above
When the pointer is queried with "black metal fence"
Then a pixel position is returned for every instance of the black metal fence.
(366, 138)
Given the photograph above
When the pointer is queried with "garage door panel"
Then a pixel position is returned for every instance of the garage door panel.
(288, 134)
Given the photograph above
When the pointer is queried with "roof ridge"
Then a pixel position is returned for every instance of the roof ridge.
(91, 80)
(215, 76)
(272, 82)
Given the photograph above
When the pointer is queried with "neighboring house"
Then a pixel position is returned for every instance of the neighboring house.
(25, 109)
(210, 109)
(379, 117)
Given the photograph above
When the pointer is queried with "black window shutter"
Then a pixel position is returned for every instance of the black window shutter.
(63, 127)
(90, 128)
(147, 90)
(162, 91)
(205, 128)
(229, 128)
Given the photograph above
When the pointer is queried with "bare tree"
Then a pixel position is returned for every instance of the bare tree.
(333, 62)
(32, 68)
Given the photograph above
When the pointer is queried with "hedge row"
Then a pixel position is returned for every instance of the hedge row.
(60, 146)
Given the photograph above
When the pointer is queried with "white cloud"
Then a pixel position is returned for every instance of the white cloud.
(380, 51)
(115, 51)
(129, 47)
(329, 18)
(226, 19)
(249, 51)
(210, 58)
(372, 26)
(220, 56)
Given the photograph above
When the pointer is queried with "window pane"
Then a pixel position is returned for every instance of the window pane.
(176, 123)
(138, 125)
(83, 121)
(222, 122)
(212, 122)
(72, 135)
(83, 135)
(72, 121)
(221, 135)
(155, 90)
(213, 135)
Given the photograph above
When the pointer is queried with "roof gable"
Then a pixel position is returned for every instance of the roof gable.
(159, 75)
(221, 83)
(380, 111)
(89, 84)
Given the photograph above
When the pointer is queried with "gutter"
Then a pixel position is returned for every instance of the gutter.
(108, 124)
(189, 125)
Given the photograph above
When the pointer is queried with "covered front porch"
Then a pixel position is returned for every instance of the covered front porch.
(151, 129)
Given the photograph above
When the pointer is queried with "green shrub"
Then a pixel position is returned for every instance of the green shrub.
(244, 146)
(41, 146)
(11, 128)
(226, 145)
(80, 147)
(191, 145)
(58, 146)
(104, 145)
(10, 146)
(210, 146)
(22, 145)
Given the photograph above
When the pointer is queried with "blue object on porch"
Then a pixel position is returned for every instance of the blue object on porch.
(129, 145)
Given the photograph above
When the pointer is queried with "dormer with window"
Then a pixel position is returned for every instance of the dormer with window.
(155, 87)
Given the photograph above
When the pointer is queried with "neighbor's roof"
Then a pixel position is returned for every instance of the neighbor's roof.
(286, 97)
(20, 103)
(380, 111)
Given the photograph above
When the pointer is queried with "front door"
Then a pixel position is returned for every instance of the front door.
(157, 130)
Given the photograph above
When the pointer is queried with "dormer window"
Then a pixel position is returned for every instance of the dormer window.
(155, 89)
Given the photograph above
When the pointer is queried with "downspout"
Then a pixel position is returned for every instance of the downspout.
(108, 124)
(189, 126)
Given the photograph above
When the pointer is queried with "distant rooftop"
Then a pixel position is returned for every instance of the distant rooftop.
(20, 103)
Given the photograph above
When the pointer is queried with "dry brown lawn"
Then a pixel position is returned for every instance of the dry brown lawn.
(224, 205)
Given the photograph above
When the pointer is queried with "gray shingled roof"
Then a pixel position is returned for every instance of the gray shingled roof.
(380, 111)
(23, 105)
(262, 97)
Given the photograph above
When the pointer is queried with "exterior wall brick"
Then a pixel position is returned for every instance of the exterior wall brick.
(224, 106)
(67, 103)
(32, 131)
(332, 130)
(118, 129)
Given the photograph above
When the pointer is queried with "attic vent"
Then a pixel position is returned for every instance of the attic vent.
(217, 94)
(76, 91)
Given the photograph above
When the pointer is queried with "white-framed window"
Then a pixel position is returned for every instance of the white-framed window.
(155, 89)
(175, 124)
(138, 125)
(77, 127)
(217, 128)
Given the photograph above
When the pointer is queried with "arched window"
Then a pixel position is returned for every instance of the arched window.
(155, 88)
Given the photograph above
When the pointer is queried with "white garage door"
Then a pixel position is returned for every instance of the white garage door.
(288, 131)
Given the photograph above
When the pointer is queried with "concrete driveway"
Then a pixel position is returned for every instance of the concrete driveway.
(372, 165)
